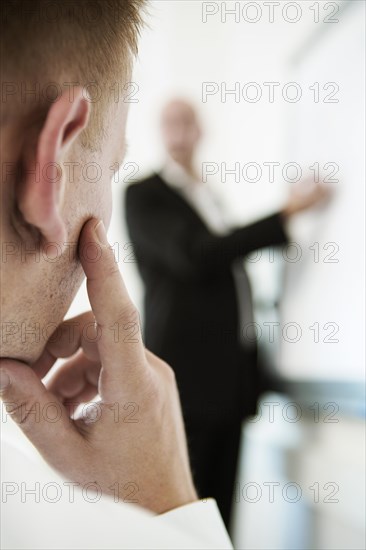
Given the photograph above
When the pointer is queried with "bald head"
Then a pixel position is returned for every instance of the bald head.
(180, 130)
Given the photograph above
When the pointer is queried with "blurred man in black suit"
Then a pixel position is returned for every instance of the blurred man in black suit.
(186, 256)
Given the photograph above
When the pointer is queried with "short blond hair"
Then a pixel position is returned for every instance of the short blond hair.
(52, 45)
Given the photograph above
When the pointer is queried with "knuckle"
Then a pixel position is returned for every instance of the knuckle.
(127, 320)
(23, 413)
(111, 269)
(168, 372)
(129, 315)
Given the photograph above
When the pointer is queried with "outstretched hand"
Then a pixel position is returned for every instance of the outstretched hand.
(304, 195)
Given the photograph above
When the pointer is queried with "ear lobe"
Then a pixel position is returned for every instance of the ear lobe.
(41, 195)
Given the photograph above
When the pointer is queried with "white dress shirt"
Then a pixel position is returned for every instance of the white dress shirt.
(41, 510)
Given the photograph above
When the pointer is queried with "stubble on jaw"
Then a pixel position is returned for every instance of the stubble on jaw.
(29, 317)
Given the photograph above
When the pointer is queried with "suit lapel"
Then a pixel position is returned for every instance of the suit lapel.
(180, 201)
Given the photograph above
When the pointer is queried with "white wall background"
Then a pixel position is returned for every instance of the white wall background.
(328, 295)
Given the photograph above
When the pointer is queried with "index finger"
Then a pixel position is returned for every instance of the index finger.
(120, 343)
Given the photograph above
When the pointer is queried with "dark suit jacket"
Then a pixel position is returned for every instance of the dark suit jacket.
(191, 307)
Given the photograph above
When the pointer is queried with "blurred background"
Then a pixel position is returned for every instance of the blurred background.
(279, 88)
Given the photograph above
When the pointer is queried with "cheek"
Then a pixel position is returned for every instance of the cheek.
(107, 206)
(98, 202)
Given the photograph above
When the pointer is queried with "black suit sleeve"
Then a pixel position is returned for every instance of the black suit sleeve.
(165, 238)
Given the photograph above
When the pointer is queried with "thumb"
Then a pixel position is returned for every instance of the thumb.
(39, 414)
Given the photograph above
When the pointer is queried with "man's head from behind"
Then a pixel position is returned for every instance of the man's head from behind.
(64, 73)
(180, 130)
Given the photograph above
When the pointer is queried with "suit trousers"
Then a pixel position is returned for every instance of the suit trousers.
(214, 450)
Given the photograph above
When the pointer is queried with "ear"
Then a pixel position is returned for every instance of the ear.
(41, 195)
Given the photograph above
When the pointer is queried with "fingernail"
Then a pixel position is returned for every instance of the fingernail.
(4, 380)
(100, 233)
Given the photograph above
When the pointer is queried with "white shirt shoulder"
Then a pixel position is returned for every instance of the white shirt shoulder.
(40, 509)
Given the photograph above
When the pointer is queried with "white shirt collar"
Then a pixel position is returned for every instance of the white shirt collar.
(197, 194)
(176, 176)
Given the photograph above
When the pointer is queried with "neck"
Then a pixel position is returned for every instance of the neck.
(189, 168)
